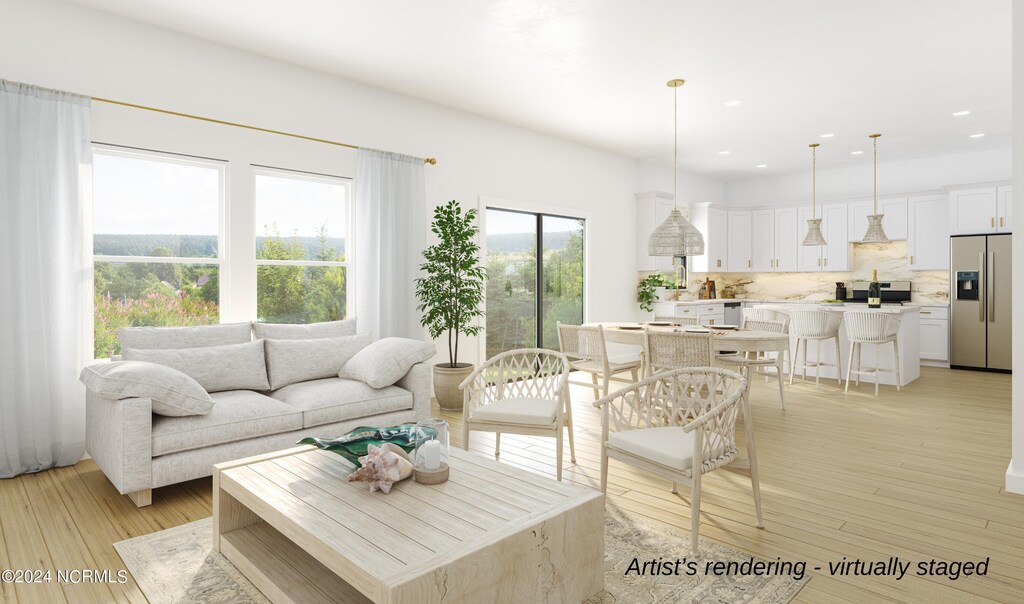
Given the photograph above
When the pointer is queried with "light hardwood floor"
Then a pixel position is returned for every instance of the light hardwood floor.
(916, 474)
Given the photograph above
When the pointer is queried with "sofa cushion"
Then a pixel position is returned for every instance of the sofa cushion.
(288, 331)
(173, 393)
(385, 361)
(293, 361)
(216, 368)
(236, 415)
(334, 399)
(184, 337)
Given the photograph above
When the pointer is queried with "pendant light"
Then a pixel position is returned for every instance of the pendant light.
(875, 233)
(814, 236)
(675, 236)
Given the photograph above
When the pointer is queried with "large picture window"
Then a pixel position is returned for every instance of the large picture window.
(302, 225)
(535, 274)
(156, 241)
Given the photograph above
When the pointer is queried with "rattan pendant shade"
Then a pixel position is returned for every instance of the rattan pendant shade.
(814, 236)
(875, 232)
(675, 236)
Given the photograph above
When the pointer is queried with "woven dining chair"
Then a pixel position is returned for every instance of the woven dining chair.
(864, 327)
(747, 363)
(585, 347)
(521, 391)
(814, 326)
(665, 350)
(698, 437)
(674, 320)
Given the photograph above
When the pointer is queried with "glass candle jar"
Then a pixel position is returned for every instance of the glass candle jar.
(430, 459)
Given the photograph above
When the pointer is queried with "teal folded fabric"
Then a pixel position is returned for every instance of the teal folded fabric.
(353, 445)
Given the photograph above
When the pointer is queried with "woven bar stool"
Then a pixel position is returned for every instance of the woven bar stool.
(872, 328)
(816, 326)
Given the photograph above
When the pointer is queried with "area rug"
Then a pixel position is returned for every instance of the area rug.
(177, 565)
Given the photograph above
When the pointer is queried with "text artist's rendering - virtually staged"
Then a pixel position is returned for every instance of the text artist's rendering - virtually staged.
(511, 301)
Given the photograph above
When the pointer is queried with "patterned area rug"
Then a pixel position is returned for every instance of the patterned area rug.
(178, 565)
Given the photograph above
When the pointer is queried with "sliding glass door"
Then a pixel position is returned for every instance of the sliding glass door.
(535, 278)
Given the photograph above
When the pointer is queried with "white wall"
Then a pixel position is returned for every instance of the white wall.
(1015, 472)
(854, 182)
(65, 46)
(693, 188)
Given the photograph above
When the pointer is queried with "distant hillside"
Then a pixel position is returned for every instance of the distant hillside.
(188, 246)
(510, 243)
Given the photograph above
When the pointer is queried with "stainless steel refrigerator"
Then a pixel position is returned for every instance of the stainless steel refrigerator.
(981, 274)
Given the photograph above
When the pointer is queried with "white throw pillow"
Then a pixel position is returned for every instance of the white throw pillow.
(290, 331)
(385, 361)
(184, 337)
(292, 361)
(173, 393)
(216, 368)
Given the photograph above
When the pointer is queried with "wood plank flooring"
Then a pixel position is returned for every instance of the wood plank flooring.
(916, 474)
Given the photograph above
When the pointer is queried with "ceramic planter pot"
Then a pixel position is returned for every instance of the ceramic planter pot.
(446, 384)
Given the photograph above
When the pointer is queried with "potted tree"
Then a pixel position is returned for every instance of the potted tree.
(450, 294)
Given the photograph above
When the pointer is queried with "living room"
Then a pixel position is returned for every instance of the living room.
(253, 105)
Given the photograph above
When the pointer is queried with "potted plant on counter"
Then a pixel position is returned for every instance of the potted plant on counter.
(450, 294)
(649, 290)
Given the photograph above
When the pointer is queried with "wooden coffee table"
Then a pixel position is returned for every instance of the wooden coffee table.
(291, 523)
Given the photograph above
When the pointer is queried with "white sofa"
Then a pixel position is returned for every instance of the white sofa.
(140, 451)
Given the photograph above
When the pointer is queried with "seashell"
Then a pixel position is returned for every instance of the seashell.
(382, 467)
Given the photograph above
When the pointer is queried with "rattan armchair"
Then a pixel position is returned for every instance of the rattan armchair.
(587, 351)
(696, 437)
(521, 391)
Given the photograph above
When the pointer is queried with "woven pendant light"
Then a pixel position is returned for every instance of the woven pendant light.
(875, 232)
(675, 236)
(814, 236)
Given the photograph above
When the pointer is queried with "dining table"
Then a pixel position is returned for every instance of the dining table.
(723, 340)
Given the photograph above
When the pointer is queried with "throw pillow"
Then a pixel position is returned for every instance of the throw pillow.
(385, 361)
(216, 368)
(173, 393)
(292, 361)
(287, 331)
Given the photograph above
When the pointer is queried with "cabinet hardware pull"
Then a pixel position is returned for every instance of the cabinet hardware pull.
(826, 261)
(1002, 221)
(911, 259)
(819, 261)
(719, 263)
(993, 221)
(926, 312)
(748, 263)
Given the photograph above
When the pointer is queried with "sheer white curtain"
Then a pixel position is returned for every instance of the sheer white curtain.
(45, 276)
(390, 237)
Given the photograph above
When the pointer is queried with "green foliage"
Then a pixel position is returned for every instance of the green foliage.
(299, 294)
(451, 292)
(645, 294)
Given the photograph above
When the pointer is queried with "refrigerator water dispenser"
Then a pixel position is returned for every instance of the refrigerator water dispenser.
(967, 285)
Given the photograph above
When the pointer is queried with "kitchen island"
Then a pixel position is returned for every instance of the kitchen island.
(908, 342)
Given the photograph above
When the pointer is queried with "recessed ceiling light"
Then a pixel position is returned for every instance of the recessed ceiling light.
(828, 135)
(724, 152)
(960, 113)
(762, 165)
(732, 103)
(856, 152)
(978, 135)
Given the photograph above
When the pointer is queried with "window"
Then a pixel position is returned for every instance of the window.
(530, 287)
(302, 222)
(156, 242)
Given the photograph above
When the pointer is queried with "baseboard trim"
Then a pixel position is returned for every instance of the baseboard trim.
(1014, 480)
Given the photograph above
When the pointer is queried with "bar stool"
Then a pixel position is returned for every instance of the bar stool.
(872, 328)
(816, 325)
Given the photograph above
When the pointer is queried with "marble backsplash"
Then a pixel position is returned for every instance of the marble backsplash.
(890, 259)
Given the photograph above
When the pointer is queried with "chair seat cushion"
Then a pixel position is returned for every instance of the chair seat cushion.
(616, 364)
(669, 446)
(530, 411)
(236, 415)
(333, 400)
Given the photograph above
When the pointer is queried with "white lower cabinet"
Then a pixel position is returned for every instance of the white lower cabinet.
(707, 313)
(935, 334)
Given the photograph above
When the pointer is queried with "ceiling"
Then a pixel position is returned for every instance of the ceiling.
(594, 71)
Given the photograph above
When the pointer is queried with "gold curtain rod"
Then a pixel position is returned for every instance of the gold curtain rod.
(429, 160)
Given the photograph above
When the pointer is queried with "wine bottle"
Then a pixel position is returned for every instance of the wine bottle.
(874, 291)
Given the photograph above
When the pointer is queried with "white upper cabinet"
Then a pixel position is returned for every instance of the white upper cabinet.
(1004, 209)
(652, 209)
(836, 255)
(928, 240)
(712, 222)
(762, 241)
(894, 223)
(973, 211)
(787, 239)
(739, 235)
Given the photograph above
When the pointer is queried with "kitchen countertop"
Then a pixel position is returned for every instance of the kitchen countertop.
(906, 307)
